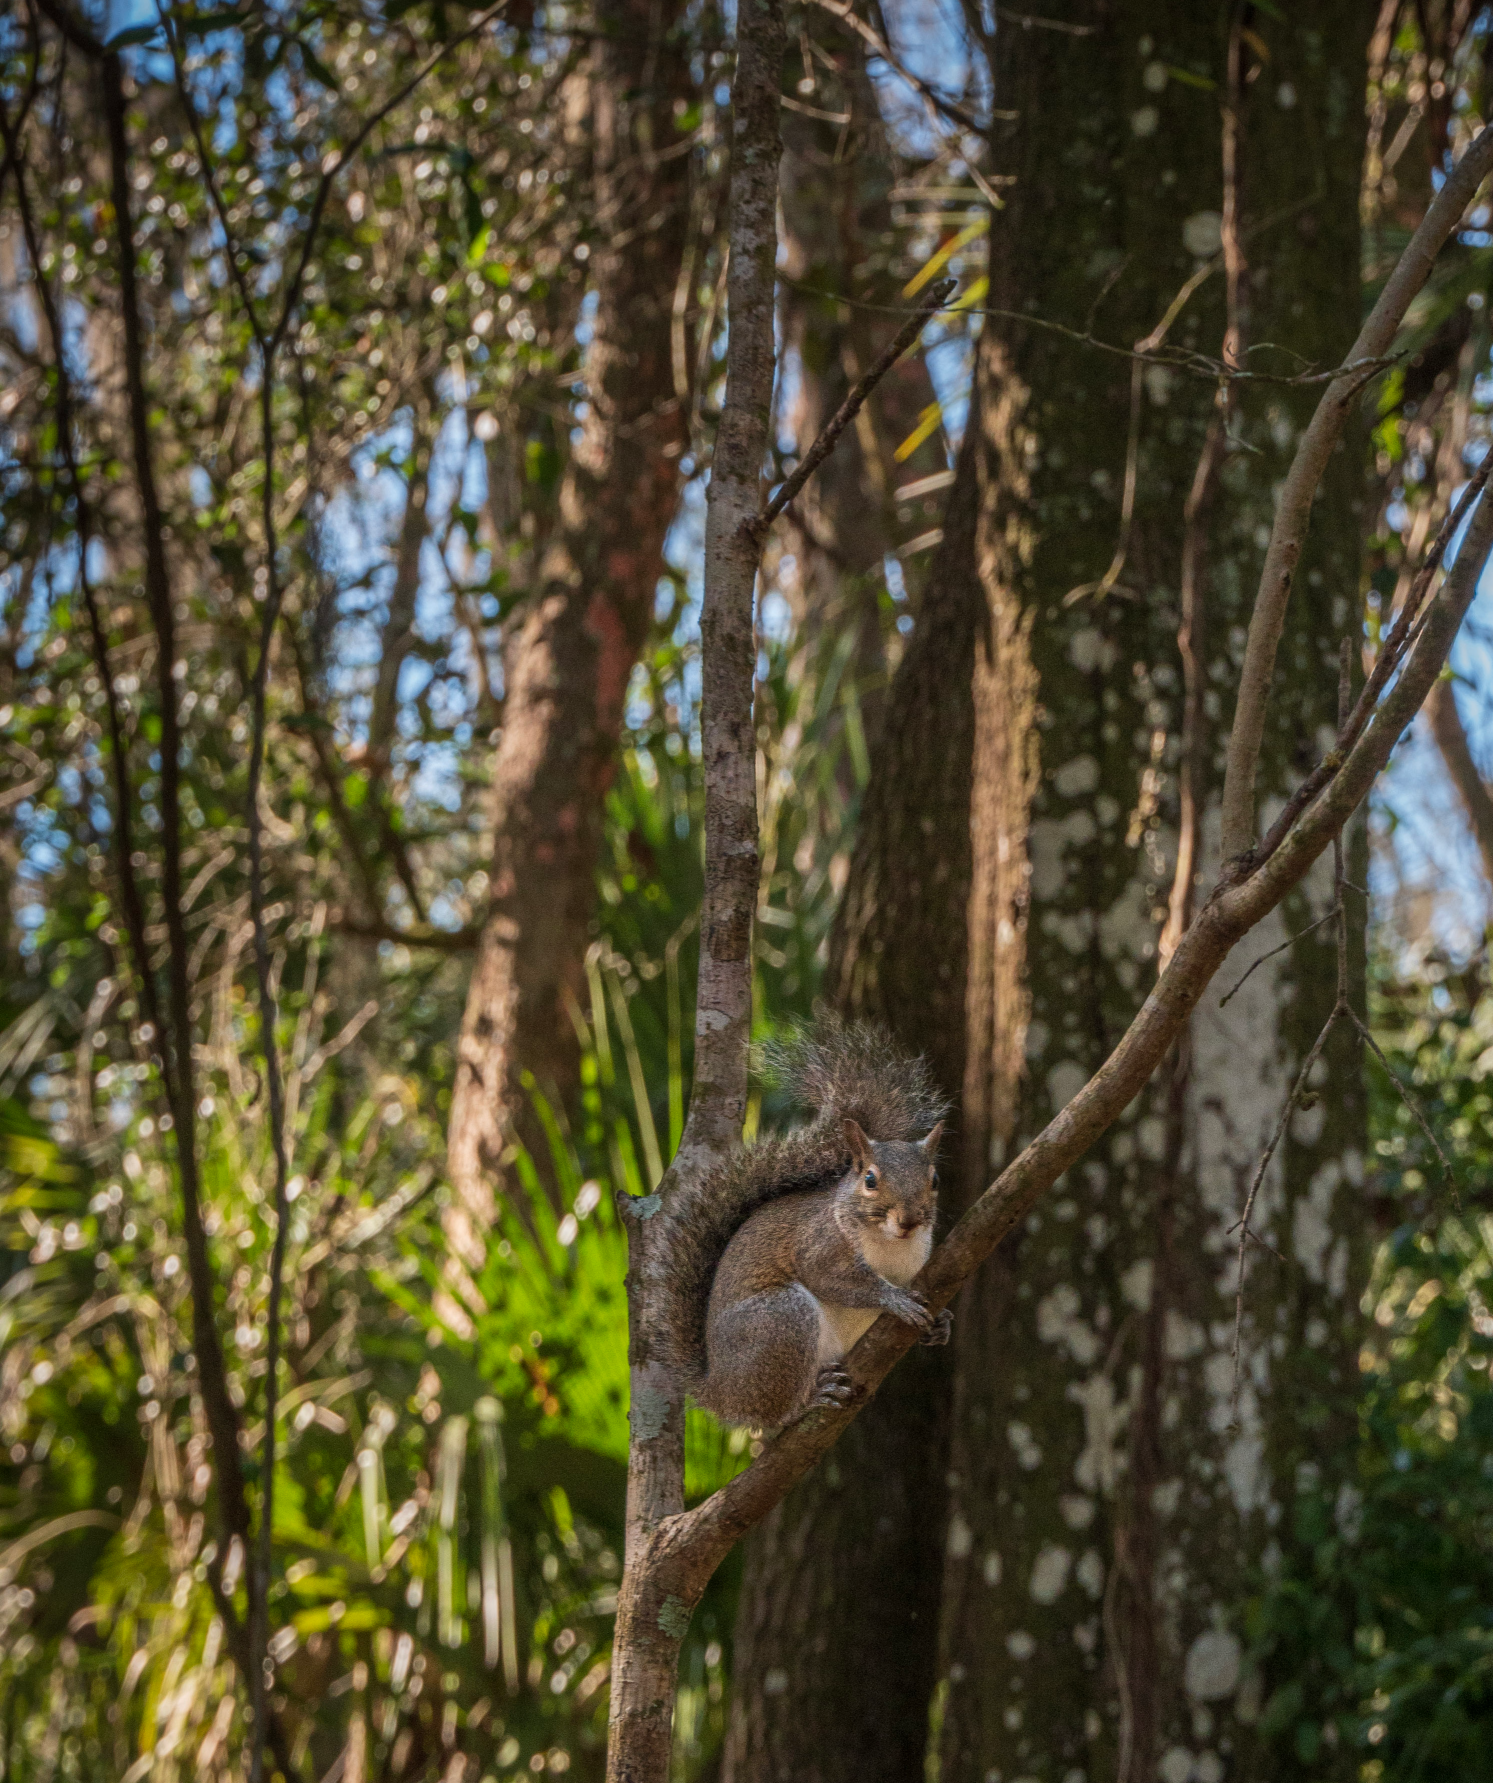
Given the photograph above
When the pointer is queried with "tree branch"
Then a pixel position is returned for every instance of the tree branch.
(1293, 510)
(938, 294)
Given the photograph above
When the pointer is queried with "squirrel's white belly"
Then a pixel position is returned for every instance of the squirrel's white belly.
(897, 1260)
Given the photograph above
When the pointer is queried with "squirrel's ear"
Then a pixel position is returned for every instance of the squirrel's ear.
(929, 1146)
(861, 1156)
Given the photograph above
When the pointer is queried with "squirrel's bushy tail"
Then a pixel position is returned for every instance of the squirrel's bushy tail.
(838, 1070)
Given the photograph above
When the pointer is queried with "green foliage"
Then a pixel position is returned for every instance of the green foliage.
(1382, 1627)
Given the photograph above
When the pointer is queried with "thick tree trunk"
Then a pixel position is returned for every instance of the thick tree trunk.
(835, 1641)
(571, 655)
(1106, 1520)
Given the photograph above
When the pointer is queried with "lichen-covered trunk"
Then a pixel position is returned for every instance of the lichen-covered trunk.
(570, 656)
(836, 1634)
(1107, 1520)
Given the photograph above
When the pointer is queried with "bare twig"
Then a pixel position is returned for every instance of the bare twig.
(1290, 941)
(851, 407)
(1410, 1103)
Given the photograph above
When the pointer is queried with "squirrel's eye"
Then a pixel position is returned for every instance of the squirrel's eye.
(933, 1180)
(870, 1179)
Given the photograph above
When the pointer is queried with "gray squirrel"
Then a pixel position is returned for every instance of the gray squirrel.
(794, 1246)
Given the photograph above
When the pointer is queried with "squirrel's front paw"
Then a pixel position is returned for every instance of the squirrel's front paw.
(833, 1387)
(939, 1331)
(910, 1309)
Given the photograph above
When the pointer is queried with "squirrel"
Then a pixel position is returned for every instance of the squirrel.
(792, 1247)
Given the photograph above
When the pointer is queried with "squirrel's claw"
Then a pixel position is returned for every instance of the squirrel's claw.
(910, 1309)
(833, 1387)
(941, 1328)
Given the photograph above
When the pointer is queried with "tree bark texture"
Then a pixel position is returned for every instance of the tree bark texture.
(1105, 1522)
(835, 1653)
(570, 656)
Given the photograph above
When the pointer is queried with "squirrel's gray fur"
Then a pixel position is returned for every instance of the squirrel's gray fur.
(841, 1071)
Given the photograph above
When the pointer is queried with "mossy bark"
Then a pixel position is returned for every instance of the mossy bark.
(1107, 1522)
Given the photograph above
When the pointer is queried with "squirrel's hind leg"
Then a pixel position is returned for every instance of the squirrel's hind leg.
(764, 1358)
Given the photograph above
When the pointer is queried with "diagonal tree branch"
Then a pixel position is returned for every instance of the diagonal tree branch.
(1293, 510)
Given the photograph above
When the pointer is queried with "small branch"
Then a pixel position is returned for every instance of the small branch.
(851, 407)
(1290, 941)
(374, 929)
(1410, 1103)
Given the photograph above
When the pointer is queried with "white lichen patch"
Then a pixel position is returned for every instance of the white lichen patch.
(1102, 1458)
(1076, 777)
(1064, 1081)
(1050, 1574)
(1175, 1765)
(961, 1537)
(1020, 1645)
(1214, 1662)
(1184, 1337)
(1311, 1228)
(1090, 649)
(1090, 1572)
(990, 1568)
(1077, 1511)
(1058, 1322)
(1019, 1435)
(1135, 1284)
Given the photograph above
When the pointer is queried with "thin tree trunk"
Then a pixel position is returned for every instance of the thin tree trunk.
(652, 1617)
(842, 1696)
(1105, 1524)
(569, 660)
